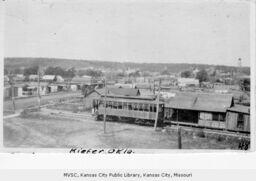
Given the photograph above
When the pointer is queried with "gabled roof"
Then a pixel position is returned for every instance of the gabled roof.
(201, 102)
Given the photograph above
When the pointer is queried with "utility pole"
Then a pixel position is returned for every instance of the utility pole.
(38, 88)
(157, 108)
(11, 81)
(105, 105)
(179, 131)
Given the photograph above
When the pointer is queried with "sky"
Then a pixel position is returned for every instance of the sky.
(142, 31)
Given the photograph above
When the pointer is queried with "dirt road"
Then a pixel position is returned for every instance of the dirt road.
(47, 131)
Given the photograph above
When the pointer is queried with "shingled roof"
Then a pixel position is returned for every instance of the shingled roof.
(201, 102)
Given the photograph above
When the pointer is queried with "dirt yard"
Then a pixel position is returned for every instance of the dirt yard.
(48, 131)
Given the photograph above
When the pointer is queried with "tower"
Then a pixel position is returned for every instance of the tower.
(239, 62)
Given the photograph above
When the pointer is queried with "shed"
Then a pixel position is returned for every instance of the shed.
(238, 118)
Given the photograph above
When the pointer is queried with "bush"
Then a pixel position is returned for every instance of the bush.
(200, 134)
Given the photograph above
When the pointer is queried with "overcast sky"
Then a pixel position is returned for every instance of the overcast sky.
(211, 33)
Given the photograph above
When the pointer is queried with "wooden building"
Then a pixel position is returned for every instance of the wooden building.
(198, 109)
(238, 118)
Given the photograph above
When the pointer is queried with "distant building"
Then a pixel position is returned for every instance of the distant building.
(188, 82)
(84, 80)
(52, 78)
(33, 77)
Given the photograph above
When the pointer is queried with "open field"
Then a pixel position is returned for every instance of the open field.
(39, 130)
(23, 103)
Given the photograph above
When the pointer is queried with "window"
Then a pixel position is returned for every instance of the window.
(125, 105)
(140, 107)
(218, 117)
(152, 108)
(120, 106)
(240, 121)
(146, 107)
(129, 106)
(222, 117)
(115, 105)
(215, 117)
(135, 107)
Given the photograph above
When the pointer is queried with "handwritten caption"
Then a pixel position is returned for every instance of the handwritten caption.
(101, 151)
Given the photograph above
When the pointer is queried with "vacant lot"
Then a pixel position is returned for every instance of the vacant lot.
(48, 131)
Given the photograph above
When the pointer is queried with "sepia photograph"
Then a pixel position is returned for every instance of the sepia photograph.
(130, 75)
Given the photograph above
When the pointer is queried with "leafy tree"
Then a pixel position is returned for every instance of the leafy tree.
(31, 70)
(165, 72)
(60, 71)
(245, 84)
(135, 74)
(186, 74)
(6, 72)
(202, 76)
(71, 72)
(93, 73)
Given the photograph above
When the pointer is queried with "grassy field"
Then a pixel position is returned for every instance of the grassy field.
(47, 131)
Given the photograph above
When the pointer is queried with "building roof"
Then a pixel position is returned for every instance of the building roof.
(48, 77)
(80, 80)
(201, 102)
(33, 76)
(240, 109)
(188, 80)
(119, 91)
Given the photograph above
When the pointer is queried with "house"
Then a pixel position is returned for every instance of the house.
(33, 77)
(51, 88)
(52, 78)
(89, 97)
(16, 91)
(238, 118)
(73, 87)
(31, 88)
(199, 108)
(19, 78)
(188, 82)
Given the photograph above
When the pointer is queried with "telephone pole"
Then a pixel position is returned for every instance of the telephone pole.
(105, 105)
(38, 88)
(11, 81)
(157, 108)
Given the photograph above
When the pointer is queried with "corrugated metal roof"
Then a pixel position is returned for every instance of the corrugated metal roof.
(201, 102)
